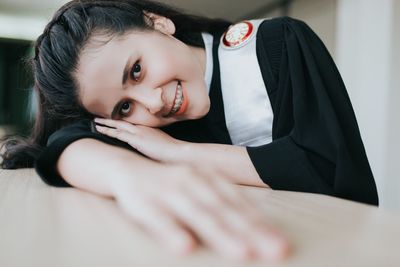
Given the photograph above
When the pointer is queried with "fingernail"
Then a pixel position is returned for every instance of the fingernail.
(182, 244)
(244, 253)
(239, 251)
(276, 248)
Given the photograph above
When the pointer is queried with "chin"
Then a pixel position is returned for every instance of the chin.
(207, 107)
(203, 112)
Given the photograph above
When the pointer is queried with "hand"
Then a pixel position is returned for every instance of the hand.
(151, 142)
(183, 208)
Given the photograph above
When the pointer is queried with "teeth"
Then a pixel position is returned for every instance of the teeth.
(178, 101)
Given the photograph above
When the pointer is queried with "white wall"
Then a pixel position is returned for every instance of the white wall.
(21, 27)
(391, 180)
(320, 15)
(368, 57)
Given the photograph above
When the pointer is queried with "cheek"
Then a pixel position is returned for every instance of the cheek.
(176, 62)
(162, 68)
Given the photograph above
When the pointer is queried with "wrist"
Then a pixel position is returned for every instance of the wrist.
(129, 178)
(127, 172)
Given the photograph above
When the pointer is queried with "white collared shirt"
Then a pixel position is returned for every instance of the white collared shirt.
(247, 108)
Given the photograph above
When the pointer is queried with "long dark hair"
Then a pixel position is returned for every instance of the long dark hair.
(56, 56)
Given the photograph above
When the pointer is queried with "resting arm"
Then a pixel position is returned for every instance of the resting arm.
(100, 174)
(162, 199)
(233, 162)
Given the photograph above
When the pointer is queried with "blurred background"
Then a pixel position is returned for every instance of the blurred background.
(361, 35)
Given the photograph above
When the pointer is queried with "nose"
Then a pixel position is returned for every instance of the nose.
(152, 100)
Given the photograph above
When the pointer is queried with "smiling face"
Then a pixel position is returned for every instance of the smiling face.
(144, 77)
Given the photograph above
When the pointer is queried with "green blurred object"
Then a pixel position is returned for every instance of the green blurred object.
(15, 85)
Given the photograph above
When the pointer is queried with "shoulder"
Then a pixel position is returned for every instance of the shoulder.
(82, 127)
(280, 23)
(284, 20)
(242, 32)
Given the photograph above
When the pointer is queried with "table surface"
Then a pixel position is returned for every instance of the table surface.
(47, 226)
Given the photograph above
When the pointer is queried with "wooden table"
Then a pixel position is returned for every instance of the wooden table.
(46, 226)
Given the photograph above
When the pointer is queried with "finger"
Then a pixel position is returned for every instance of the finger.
(239, 200)
(230, 217)
(207, 225)
(163, 227)
(112, 132)
(119, 124)
(253, 231)
(119, 134)
(264, 241)
(268, 242)
(230, 192)
(227, 193)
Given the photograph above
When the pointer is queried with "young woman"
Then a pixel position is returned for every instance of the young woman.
(184, 104)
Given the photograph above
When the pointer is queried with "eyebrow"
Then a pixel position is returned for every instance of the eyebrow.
(125, 74)
(124, 79)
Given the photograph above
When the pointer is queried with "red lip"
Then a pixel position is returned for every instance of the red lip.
(173, 102)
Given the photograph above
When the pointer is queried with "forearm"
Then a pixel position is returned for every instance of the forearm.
(97, 167)
(233, 162)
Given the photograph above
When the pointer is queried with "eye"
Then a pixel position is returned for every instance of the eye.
(136, 71)
(125, 108)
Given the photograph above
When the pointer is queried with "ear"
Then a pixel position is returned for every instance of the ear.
(160, 23)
